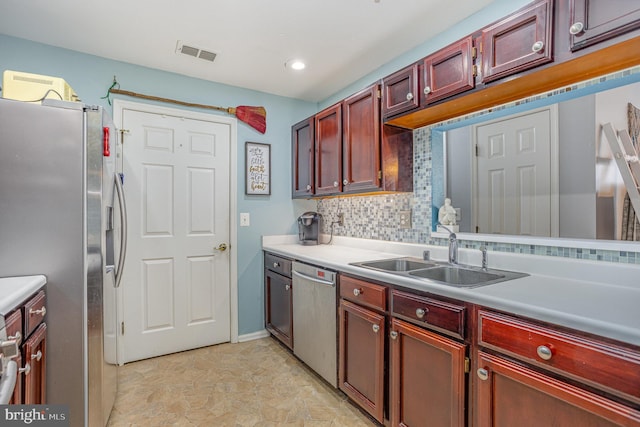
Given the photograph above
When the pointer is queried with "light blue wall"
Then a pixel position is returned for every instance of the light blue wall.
(91, 76)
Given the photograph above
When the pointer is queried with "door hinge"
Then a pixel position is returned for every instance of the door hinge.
(122, 132)
(477, 229)
(474, 52)
(122, 328)
(379, 94)
(477, 150)
(475, 70)
(467, 365)
(380, 174)
(480, 48)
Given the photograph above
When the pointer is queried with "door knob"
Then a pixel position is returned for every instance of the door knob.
(221, 247)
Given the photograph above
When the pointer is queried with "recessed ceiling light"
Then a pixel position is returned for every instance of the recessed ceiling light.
(295, 64)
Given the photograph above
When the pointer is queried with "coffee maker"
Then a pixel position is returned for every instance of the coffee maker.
(309, 225)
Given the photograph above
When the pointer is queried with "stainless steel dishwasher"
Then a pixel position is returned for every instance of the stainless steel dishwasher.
(314, 319)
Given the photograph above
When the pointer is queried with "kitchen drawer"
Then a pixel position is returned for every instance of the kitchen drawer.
(609, 367)
(278, 264)
(363, 293)
(34, 312)
(428, 312)
(13, 324)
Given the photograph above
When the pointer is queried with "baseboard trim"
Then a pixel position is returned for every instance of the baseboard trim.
(253, 336)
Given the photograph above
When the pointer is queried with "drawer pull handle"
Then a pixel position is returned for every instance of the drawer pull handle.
(421, 312)
(483, 374)
(26, 370)
(393, 335)
(287, 287)
(17, 337)
(276, 265)
(544, 352)
(375, 328)
(42, 311)
(576, 28)
(357, 292)
(537, 46)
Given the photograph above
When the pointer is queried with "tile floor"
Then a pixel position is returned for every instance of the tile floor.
(257, 383)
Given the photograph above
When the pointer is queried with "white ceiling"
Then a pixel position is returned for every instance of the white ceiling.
(341, 40)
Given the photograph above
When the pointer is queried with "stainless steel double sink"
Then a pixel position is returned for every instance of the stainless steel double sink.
(458, 275)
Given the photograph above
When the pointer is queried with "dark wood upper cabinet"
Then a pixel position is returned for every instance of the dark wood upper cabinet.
(303, 156)
(361, 141)
(328, 154)
(449, 71)
(594, 21)
(519, 42)
(401, 91)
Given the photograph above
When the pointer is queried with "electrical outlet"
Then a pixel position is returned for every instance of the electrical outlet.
(340, 219)
(405, 219)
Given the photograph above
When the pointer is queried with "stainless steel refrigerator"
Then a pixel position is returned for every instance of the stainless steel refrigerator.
(62, 215)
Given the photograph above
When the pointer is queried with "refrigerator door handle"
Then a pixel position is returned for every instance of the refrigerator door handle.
(123, 229)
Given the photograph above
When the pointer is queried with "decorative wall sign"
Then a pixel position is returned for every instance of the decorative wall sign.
(258, 168)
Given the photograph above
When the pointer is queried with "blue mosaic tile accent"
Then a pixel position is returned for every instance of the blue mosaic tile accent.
(377, 216)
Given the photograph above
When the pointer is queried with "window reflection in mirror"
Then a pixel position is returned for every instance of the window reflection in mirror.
(542, 168)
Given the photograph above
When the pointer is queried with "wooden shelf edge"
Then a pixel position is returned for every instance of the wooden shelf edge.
(604, 61)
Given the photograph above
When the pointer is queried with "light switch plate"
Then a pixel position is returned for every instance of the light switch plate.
(245, 219)
(405, 219)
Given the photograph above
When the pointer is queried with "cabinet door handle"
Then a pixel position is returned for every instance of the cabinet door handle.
(17, 337)
(375, 328)
(393, 335)
(287, 287)
(537, 46)
(37, 356)
(276, 265)
(308, 187)
(544, 352)
(483, 374)
(335, 183)
(427, 90)
(357, 292)
(421, 312)
(409, 96)
(26, 370)
(345, 182)
(576, 28)
(42, 311)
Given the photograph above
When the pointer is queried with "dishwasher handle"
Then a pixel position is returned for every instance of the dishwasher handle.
(313, 279)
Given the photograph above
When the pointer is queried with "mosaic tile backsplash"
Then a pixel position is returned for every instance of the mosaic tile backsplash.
(378, 216)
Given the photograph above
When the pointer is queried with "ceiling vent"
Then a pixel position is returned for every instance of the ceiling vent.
(195, 52)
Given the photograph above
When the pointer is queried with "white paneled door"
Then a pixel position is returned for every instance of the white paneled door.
(517, 185)
(176, 280)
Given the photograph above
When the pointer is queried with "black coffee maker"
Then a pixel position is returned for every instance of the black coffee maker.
(309, 225)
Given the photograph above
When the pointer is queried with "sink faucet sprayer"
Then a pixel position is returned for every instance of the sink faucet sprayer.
(453, 245)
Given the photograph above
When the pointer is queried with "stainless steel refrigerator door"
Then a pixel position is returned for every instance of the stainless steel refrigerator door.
(42, 213)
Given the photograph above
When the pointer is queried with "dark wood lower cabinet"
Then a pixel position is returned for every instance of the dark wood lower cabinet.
(361, 361)
(509, 394)
(427, 378)
(35, 355)
(279, 307)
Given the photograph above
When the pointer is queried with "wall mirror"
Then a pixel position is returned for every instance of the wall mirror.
(539, 170)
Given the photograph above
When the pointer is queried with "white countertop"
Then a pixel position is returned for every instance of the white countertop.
(598, 297)
(15, 290)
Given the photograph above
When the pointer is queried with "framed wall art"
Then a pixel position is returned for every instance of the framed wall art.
(257, 168)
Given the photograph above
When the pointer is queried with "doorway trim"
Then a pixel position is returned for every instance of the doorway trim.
(118, 108)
